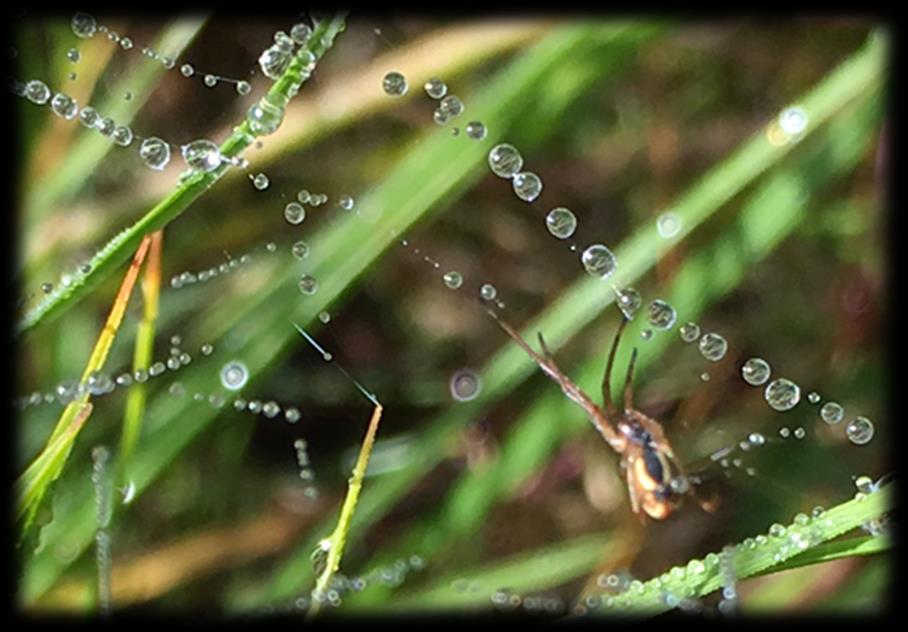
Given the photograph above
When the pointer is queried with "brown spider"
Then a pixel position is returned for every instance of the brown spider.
(655, 479)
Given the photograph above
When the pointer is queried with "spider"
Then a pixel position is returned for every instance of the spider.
(656, 481)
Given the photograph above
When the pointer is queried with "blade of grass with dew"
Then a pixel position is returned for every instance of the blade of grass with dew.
(522, 573)
(338, 537)
(347, 249)
(144, 347)
(751, 238)
(89, 150)
(32, 485)
(750, 561)
(119, 248)
(859, 75)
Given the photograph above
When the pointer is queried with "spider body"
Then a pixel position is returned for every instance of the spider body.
(656, 482)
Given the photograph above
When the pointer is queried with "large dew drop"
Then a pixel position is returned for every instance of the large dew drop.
(793, 120)
(84, 25)
(713, 347)
(202, 155)
(264, 117)
(37, 92)
(394, 84)
(505, 160)
(782, 394)
(527, 186)
(561, 222)
(756, 371)
(599, 261)
(294, 213)
(436, 88)
(859, 430)
(64, 106)
(234, 375)
(274, 61)
(661, 315)
(155, 153)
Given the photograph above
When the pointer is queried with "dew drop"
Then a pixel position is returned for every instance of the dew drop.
(713, 347)
(436, 88)
(234, 375)
(453, 279)
(661, 315)
(271, 246)
(202, 155)
(292, 415)
(274, 61)
(704, 376)
(859, 430)
(793, 120)
(832, 412)
(84, 25)
(243, 88)
(260, 181)
(294, 213)
(629, 301)
(394, 84)
(646, 334)
(756, 371)
(782, 394)
(440, 116)
(177, 390)
(813, 397)
(264, 117)
(527, 186)
(303, 196)
(89, 117)
(207, 349)
(125, 43)
(346, 202)
(451, 105)
(465, 385)
(668, 225)
(325, 317)
(308, 285)
(187, 70)
(488, 292)
(106, 126)
(210, 81)
(122, 135)
(47, 288)
(689, 332)
(73, 55)
(156, 369)
(505, 160)
(37, 92)
(155, 153)
(476, 130)
(300, 250)
(271, 409)
(599, 261)
(300, 33)
(561, 222)
(64, 106)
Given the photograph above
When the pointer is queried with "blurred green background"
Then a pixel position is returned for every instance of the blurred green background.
(623, 120)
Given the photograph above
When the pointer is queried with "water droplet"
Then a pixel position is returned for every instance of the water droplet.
(260, 181)
(345, 202)
(292, 415)
(122, 136)
(505, 161)
(394, 84)
(561, 222)
(264, 117)
(832, 412)
(173, 363)
(124, 379)
(476, 130)
(84, 25)
(465, 385)
(294, 213)
(234, 375)
(99, 383)
(453, 279)
(274, 61)
(488, 292)
(646, 334)
(303, 196)
(210, 81)
(793, 120)
(308, 285)
(704, 376)
(629, 301)
(756, 371)
(325, 317)
(202, 155)
(668, 225)
(177, 390)
(300, 33)
(713, 347)
(440, 116)
(271, 409)
(255, 407)
(64, 106)
(47, 288)
(106, 126)
(243, 88)
(859, 430)
(300, 250)
(784, 432)
(451, 105)
(599, 261)
(436, 88)
(777, 530)
(156, 369)
(207, 349)
(527, 186)
(689, 332)
(661, 315)
(187, 70)
(125, 43)
(73, 55)
(782, 394)
(89, 117)
(799, 432)
(37, 92)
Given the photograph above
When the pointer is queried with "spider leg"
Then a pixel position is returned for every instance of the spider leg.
(629, 382)
(607, 378)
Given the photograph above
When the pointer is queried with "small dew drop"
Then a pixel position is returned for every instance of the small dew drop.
(394, 84)
(832, 412)
(73, 55)
(300, 250)
(505, 160)
(859, 430)
(782, 394)
(488, 292)
(260, 181)
(453, 279)
(561, 222)
(599, 261)
(476, 130)
(465, 385)
(325, 317)
(346, 202)
(713, 347)
(202, 155)
(210, 81)
(756, 371)
(527, 186)
(187, 70)
(234, 375)
(436, 88)
(294, 213)
(308, 285)
(689, 332)
(813, 397)
(661, 314)
(243, 88)
(668, 225)
(629, 301)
